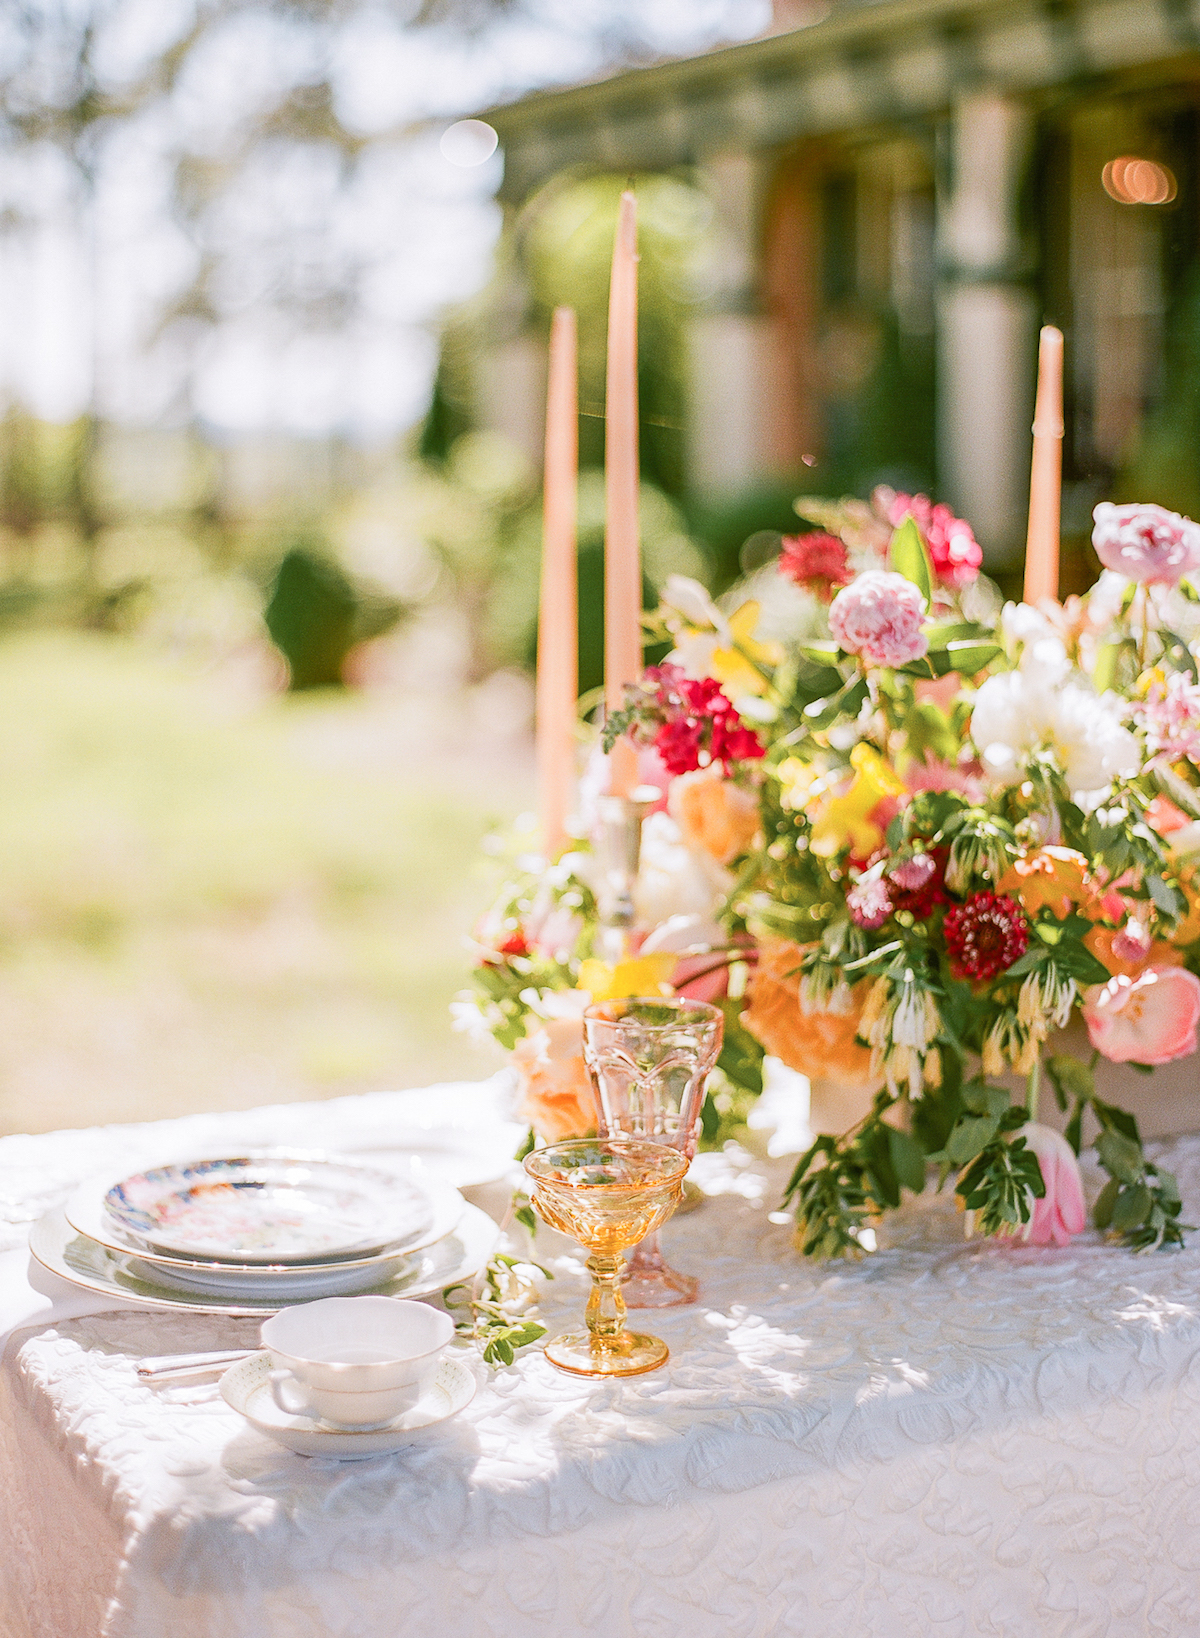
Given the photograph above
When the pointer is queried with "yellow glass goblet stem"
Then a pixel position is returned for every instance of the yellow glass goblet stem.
(605, 1312)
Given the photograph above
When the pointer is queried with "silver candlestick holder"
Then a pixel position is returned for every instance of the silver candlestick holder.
(619, 846)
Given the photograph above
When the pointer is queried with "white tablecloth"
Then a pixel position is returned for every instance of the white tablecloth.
(944, 1439)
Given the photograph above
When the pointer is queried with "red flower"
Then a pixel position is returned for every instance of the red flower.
(516, 944)
(692, 716)
(985, 935)
(817, 562)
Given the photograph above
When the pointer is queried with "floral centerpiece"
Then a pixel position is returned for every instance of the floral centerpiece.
(903, 834)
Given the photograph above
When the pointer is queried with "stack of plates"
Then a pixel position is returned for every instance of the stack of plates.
(252, 1233)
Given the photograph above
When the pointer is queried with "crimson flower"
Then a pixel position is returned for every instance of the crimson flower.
(692, 722)
(985, 935)
(818, 562)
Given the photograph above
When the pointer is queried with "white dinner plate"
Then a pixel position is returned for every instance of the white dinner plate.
(85, 1213)
(274, 1206)
(72, 1256)
(246, 1389)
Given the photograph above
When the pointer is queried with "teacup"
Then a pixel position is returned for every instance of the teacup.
(355, 1362)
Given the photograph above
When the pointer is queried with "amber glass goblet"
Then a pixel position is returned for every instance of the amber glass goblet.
(607, 1193)
(649, 1058)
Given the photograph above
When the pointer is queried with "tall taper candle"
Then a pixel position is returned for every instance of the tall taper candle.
(622, 556)
(558, 618)
(1045, 479)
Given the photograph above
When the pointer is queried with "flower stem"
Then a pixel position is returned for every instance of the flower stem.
(1031, 1094)
(1144, 643)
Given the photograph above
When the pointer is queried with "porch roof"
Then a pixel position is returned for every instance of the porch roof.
(862, 65)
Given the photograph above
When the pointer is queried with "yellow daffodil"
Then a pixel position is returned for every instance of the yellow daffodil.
(845, 819)
(643, 975)
(739, 667)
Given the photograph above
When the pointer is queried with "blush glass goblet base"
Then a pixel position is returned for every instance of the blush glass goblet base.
(649, 1058)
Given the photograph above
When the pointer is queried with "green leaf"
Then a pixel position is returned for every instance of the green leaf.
(710, 1118)
(910, 558)
(968, 630)
(969, 1137)
(908, 1160)
(1132, 1208)
(1112, 1116)
(822, 653)
(1165, 898)
(967, 658)
(527, 1145)
(1073, 1131)
(526, 1216)
(982, 1099)
(1120, 1157)
(1102, 1211)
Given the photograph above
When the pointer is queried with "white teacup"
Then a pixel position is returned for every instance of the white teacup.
(356, 1362)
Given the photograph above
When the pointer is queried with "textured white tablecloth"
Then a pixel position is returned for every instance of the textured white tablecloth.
(942, 1440)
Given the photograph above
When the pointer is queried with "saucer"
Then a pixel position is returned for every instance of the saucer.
(246, 1389)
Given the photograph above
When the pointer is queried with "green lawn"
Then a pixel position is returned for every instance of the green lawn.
(212, 899)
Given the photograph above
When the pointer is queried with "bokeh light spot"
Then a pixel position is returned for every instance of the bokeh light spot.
(1133, 181)
(468, 142)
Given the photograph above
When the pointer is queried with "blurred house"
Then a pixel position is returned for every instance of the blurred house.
(903, 191)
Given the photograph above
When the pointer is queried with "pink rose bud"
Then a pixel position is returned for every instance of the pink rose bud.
(1150, 1019)
(1061, 1211)
(1145, 542)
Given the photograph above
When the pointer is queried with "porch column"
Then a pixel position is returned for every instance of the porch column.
(732, 365)
(987, 325)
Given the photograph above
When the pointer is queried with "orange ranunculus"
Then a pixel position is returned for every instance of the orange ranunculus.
(714, 815)
(1052, 877)
(1125, 960)
(820, 1045)
(555, 1090)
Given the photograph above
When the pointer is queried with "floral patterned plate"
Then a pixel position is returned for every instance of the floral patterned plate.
(276, 1207)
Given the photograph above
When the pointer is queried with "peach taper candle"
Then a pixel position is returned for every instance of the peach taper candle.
(622, 555)
(1045, 479)
(558, 617)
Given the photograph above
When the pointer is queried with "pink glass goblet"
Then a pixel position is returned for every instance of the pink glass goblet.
(648, 1059)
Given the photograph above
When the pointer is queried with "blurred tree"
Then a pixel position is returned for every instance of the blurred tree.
(567, 232)
(316, 613)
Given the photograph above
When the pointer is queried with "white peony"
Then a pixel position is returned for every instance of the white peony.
(672, 879)
(1018, 712)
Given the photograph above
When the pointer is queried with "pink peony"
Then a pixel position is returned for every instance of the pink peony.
(1145, 542)
(878, 617)
(955, 553)
(1060, 1212)
(1150, 1019)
